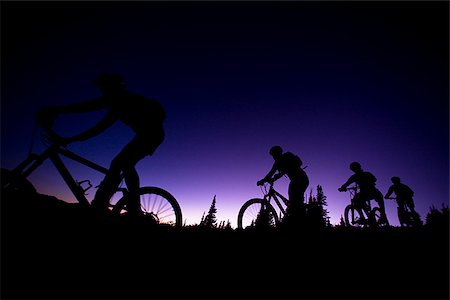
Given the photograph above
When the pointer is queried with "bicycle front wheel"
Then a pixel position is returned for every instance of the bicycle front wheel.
(353, 217)
(158, 204)
(257, 213)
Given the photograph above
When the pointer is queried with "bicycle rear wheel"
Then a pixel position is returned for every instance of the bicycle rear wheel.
(156, 203)
(257, 213)
(377, 219)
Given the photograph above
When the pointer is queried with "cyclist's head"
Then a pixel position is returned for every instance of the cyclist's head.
(109, 82)
(395, 179)
(276, 151)
(355, 166)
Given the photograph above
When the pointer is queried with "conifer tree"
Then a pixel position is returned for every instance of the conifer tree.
(202, 220)
(228, 226)
(210, 220)
(317, 215)
(322, 200)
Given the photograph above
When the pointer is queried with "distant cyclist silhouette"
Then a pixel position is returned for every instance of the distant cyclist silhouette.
(403, 193)
(367, 187)
(144, 116)
(289, 164)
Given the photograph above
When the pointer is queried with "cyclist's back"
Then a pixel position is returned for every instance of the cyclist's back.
(142, 115)
(290, 164)
(365, 181)
(402, 191)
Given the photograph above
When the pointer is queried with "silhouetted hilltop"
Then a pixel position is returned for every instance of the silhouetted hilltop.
(53, 249)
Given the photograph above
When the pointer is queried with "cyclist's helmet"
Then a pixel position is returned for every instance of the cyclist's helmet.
(109, 80)
(276, 151)
(355, 166)
(395, 179)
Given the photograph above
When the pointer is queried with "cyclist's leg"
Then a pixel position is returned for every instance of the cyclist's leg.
(124, 162)
(360, 204)
(136, 150)
(410, 204)
(296, 193)
(378, 197)
(107, 188)
(415, 215)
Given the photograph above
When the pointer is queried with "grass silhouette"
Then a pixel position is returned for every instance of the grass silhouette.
(52, 249)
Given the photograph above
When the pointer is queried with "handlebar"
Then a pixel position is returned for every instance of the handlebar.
(266, 187)
(45, 120)
(51, 137)
(353, 188)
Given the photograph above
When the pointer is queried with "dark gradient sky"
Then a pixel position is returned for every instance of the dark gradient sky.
(333, 82)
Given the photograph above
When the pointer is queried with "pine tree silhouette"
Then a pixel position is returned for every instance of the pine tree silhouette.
(210, 220)
(264, 219)
(322, 200)
(228, 226)
(317, 215)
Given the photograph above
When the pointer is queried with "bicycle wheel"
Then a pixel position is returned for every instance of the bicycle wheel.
(156, 203)
(257, 212)
(353, 217)
(377, 219)
(410, 219)
(403, 217)
(416, 221)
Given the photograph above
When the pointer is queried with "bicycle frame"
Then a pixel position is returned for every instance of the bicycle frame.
(365, 210)
(53, 152)
(404, 214)
(276, 196)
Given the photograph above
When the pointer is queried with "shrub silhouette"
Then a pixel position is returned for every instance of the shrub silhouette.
(437, 218)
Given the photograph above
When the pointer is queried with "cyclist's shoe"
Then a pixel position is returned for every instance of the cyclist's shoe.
(135, 213)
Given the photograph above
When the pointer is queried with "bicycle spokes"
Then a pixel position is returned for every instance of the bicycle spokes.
(158, 207)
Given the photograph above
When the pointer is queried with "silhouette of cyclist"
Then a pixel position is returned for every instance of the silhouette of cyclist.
(144, 116)
(367, 189)
(404, 195)
(291, 165)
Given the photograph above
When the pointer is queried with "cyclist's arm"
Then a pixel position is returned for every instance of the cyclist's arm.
(85, 106)
(271, 173)
(268, 177)
(109, 119)
(348, 182)
(277, 176)
(389, 192)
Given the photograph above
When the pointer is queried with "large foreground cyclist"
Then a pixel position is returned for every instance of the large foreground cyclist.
(144, 116)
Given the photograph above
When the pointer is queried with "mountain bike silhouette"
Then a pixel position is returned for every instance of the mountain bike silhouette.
(156, 202)
(406, 217)
(259, 211)
(362, 215)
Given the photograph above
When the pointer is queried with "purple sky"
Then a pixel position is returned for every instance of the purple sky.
(333, 82)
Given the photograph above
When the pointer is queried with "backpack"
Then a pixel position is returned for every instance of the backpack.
(293, 160)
